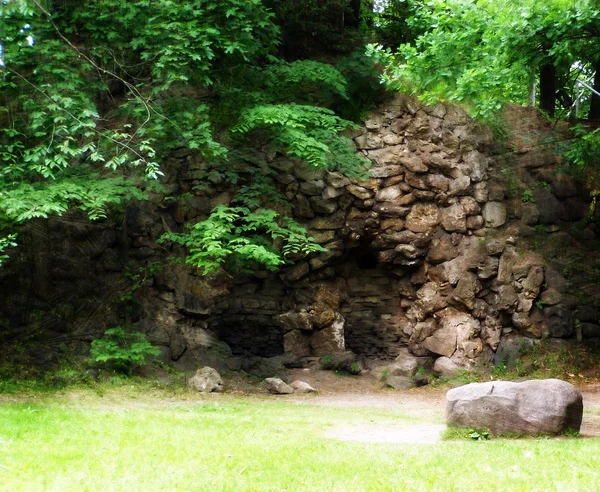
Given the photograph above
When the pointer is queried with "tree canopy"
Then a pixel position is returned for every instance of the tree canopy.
(484, 53)
(95, 95)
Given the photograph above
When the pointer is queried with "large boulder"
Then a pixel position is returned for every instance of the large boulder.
(399, 382)
(206, 380)
(547, 406)
(406, 364)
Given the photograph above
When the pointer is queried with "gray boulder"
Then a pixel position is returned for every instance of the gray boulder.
(206, 380)
(406, 364)
(329, 340)
(446, 367)
(548, 406)
(494, 214)
(302, 387)
(278, 387)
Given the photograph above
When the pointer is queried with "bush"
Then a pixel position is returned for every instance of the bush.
(122, 350)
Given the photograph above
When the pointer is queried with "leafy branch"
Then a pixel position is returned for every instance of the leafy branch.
(239, 238)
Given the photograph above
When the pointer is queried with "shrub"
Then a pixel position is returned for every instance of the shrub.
(326, 362)
(121, 349)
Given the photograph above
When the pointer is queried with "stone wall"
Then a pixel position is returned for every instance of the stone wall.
(438, 252)
(434, 251)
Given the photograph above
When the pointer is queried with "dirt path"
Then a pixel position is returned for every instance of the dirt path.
(426, 404)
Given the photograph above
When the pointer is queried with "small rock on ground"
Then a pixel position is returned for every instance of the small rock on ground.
(302, 387)
(277, 387)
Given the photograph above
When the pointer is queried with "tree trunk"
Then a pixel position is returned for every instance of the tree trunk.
(362, 11)
(548, 88)
(595, 104)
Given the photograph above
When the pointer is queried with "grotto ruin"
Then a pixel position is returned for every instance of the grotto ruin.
(435, 253)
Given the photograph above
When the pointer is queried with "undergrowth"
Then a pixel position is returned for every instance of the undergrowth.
(571, 361)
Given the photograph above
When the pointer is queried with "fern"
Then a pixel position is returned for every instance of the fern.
(239, 238)
(88, 193)
(122, 349)
(298, 130)
(305, 80)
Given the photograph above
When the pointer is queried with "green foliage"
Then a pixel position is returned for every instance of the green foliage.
(315, 27)
(239, 238)
(581, 155)
(89, 193)
(484, 53)
(122, 349)
(571, 433)
(527, 196)
(6, 242)
(479, 435)
(511, 180)
(94, 95)
(297, 129)
(363, 85)
(584, 150)
(308, 80)
(326, 362)
(394, 22)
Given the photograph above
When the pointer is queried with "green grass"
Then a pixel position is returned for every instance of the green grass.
(124, 441)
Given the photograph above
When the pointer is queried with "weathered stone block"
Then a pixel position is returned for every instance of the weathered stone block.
(295, 342)
(453, 218)
(494, 214)
(276, 386)
(423, 217)
(206, 380)
(330, 340)
(546, 406)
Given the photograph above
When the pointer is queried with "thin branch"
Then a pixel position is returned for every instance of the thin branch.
(130, 86)
(100, 134)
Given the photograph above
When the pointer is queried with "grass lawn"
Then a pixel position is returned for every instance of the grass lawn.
(81, 441)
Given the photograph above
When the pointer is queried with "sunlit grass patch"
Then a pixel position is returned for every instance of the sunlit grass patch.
(83, 441)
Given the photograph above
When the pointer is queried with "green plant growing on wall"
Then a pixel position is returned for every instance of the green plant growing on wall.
(512, 183)
(239, 238)
(5, 243)
(527, 196)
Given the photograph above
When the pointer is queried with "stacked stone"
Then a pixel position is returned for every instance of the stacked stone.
(446, 277)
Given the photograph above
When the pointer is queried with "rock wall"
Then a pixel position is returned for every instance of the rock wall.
(456, 244)
(434, 252)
